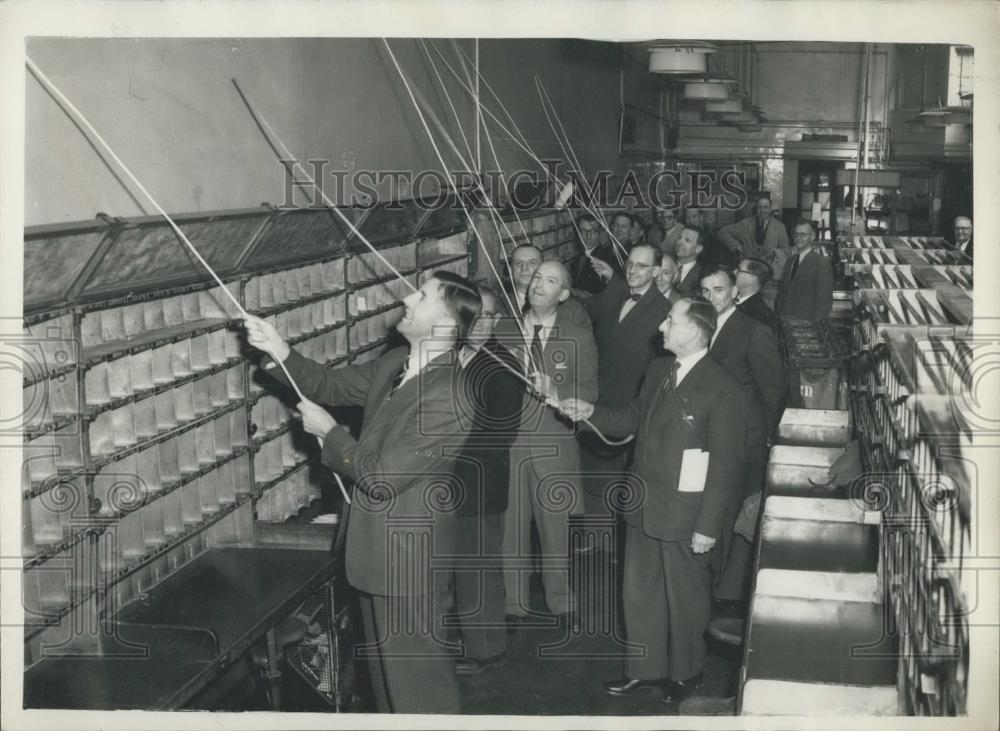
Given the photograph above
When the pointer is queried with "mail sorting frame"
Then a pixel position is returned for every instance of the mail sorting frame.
(76, 500)
(902, 395)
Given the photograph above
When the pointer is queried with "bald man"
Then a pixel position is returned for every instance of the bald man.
(963, 235)
(545, 481)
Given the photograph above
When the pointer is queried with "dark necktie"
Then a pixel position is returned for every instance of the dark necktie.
(672, 378)
(761, 234)
(795, 266)
(536, 347)
(635, 297)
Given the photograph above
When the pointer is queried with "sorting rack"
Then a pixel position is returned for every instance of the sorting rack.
(910, 387)
(148, 435)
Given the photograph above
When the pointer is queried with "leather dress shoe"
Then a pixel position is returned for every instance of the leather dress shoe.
(474, 666)
(674, 691)
(628, 686)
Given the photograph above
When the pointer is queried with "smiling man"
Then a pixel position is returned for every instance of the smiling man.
(561, 358)
(626, 317)
(688, 421)
(410, 432)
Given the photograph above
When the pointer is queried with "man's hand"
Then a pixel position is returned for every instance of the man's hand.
(603, 269)
(315, 419)
(575, 409)
(701, 544)
(544, 386)
(262, 335)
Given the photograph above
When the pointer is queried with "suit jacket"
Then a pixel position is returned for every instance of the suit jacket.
(669, 243)
(582, 272)
(691, 284)
(742, 236)
(625, 349)
(704, 412)
(492, 398)
(508, 329)
(968, 248)
(398, 464)
(810, 292)
(569, 358)
(754, 306)
(748, 350)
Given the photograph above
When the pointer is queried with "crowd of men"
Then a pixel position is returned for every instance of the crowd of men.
(511, 408)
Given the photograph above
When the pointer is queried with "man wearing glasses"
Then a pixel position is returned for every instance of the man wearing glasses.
(583, 270)
(627, 316)
(806, 288)
(963, 235)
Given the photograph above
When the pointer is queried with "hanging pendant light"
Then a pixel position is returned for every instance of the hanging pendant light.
(727, 106)
(708, 87)
(679, 57)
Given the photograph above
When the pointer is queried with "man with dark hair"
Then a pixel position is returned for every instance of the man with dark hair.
(395, 538)
(689, 246)
(749, 352)
(689, 422)
(621, 228)
(672, 228)
(751, 276)
(561, 358)
(637, 233)
(523, 262)
(654, 235)
(493, 397)
(806, 288)
(627, 315)
(583, 267)
(759, 235)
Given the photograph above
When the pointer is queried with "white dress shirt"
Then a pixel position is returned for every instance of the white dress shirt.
(685, 268)
(688, 362)
(629, 303)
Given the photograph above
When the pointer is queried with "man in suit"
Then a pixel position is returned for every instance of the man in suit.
(963, 235)
(689, 246)
(581, 268)
(672, 228)
(668, 277)
(492, 400)
(411, 428)
(759, 235)
(806, 288)
(627, 315)
(751, 276)
(688, 406)
(637, 233)
(524, 260)
(748, 350)
(545, 477)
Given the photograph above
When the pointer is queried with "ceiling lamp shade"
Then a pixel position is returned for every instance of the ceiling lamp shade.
(708, 89)
(728, 106)
(679, 57)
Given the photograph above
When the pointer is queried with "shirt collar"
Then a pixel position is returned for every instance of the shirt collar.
(548, 323)
(721, 319)
(804, 254)
(688, 362)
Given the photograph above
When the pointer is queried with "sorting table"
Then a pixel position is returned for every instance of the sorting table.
(185, 632)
